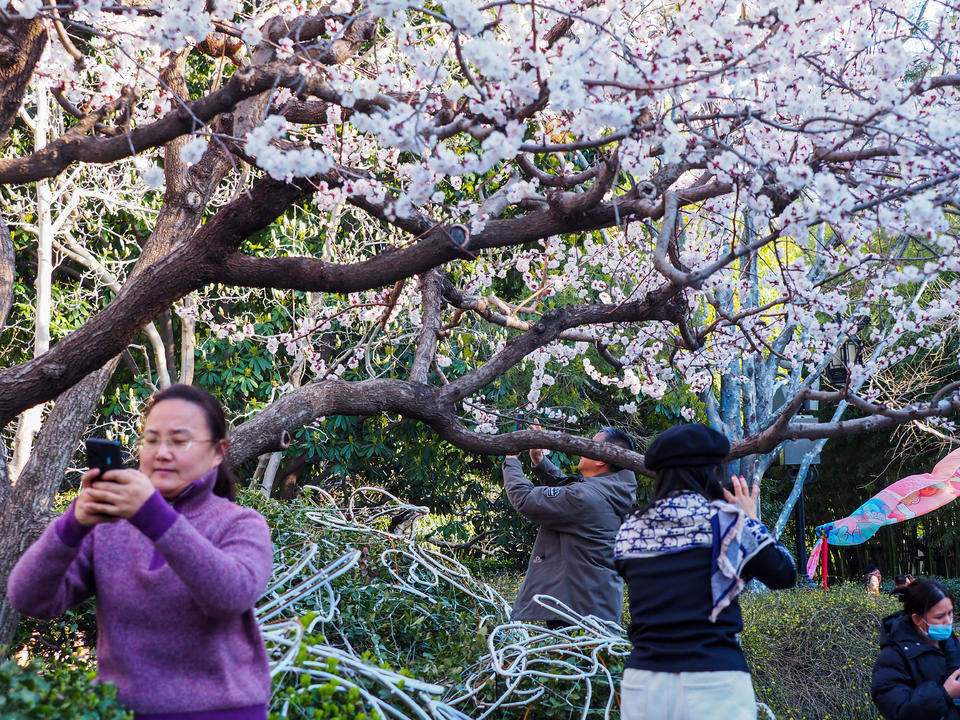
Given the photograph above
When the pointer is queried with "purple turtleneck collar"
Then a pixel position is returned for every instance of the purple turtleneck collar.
(198, 489)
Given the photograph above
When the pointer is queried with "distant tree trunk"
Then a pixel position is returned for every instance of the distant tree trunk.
(188, 341)
(30, 420)
(165, 323)
(8, 272)
(270, 473)
(288, 489)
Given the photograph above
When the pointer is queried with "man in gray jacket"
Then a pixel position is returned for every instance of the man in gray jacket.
(572, 557)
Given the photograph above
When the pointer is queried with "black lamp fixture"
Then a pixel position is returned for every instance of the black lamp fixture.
(849, 353)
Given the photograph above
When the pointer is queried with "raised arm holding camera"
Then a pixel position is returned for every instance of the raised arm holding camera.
(572, 558)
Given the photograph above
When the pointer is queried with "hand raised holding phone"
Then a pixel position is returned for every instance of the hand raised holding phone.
(537, 454)
(85, 509)
(108, 491)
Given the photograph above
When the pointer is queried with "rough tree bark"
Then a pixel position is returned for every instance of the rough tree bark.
(21, 43)
(27, 508)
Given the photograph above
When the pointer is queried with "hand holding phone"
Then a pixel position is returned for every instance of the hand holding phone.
(537, 454)
(743, 495)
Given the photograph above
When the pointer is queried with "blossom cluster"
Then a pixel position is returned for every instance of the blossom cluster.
(821, 150)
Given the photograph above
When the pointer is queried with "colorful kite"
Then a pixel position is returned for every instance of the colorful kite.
(903, 500)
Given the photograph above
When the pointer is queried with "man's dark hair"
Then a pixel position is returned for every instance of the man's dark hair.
(619, 438)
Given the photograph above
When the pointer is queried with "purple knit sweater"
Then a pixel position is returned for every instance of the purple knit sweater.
(175, 587)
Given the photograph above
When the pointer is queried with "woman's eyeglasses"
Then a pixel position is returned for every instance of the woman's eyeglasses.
(152, 443)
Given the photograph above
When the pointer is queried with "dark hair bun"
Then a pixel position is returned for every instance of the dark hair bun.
(921, 595)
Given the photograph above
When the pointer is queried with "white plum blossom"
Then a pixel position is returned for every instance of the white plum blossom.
(193, 150)
(251, 35)
(153, 177)
(27, 8)
(794, 177)
(464, 15)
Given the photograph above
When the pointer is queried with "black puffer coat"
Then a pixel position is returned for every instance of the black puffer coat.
(910, 671)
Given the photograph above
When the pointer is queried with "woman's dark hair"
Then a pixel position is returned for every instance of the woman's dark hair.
(703, 479)
(226, 483)
(921, 595)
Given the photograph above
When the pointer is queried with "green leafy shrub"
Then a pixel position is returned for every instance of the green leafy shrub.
(323, 701)
(432, 640)
(65, 640)
(55, 691)
(812, 652)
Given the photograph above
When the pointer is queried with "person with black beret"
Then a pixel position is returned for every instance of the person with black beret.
(685, 558)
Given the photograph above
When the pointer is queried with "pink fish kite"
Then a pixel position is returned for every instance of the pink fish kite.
(903, 500)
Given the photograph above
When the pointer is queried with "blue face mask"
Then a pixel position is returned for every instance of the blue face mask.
(939, 632)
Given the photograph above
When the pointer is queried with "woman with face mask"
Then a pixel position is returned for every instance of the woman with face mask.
(916, 675)
(175, 566)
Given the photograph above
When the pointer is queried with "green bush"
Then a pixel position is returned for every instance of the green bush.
(55, 691)
(66, 639)
(812, 652)
(323, 701)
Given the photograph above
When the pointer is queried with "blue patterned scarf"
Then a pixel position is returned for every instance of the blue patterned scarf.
(686, 520)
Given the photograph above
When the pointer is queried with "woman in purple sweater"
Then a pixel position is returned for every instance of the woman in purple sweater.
(176, 568)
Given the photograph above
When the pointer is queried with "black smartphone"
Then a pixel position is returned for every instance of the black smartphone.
(104, 454)
(522, 421)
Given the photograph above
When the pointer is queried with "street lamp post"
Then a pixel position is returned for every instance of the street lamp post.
(794, 452)
(849, 353)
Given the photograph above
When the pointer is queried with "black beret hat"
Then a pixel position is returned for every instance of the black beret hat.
(686, 445)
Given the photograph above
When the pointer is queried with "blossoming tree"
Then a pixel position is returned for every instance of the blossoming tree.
(682, 191)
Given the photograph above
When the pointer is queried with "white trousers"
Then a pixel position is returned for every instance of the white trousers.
(724, 695)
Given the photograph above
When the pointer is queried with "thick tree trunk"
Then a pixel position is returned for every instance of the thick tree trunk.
(27, 511)
(20, 49)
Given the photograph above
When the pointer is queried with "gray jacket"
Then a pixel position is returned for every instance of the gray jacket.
(572, 557)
